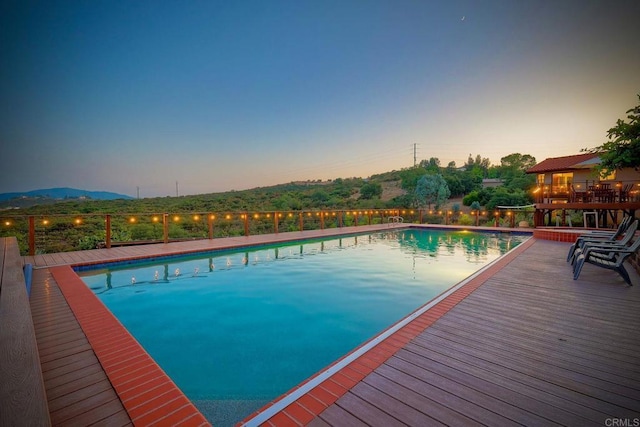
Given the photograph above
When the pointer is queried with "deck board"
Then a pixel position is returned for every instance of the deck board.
(530, 345)
(77, 388)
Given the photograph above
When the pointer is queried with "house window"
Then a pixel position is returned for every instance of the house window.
(608, 175)
(561, 183)
(541, 179)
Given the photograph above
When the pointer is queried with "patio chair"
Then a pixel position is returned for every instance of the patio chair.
(609, 258)
(624, 241)
(599, 236)
(625, 193)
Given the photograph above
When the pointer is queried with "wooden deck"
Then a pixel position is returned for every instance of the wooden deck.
(78, 390)
(530, 346)
(524, 344)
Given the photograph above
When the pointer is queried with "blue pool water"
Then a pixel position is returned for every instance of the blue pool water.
(236, 329)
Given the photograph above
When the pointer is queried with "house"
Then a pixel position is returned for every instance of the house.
(491, 182)
(574, 179)
(571, 184)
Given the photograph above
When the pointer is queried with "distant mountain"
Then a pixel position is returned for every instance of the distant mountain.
(63, 193)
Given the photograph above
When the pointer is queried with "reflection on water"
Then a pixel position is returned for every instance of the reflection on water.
(476, 248)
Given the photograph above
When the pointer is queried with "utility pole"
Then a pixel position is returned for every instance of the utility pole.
(415, 157)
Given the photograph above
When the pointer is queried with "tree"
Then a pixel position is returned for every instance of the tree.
(623, 148)
(410, 177)
(432, 165)
(371, 190)
(516, 163)
(431, 189)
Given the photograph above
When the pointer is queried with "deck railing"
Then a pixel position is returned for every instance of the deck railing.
(68, 232)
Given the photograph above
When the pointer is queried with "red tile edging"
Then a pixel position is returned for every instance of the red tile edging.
(568, 236)
(147, 393)
(311, 404)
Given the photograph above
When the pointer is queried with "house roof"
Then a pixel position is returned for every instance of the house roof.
(552, 164)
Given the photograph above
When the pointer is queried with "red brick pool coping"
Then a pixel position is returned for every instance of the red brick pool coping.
(146, 392)
(313, 402)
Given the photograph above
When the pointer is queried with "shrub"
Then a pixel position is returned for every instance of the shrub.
(466, 220)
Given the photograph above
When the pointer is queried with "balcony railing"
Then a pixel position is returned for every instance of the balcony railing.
(590, 192)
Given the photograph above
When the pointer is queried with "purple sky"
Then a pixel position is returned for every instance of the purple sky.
(114, 95)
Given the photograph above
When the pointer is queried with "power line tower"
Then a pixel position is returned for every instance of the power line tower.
(415, 155)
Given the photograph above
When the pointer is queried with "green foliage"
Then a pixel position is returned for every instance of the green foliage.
(432, 165)
(475, 205)
(371, 190)
(521, 182)
(473, 197)
(431, 189)
(410, 177)
(465, 219)
(503, 197)
(623, 148)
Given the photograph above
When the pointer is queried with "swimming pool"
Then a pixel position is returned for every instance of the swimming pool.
(236, 329)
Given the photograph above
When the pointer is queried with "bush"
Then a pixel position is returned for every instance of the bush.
(466, 220)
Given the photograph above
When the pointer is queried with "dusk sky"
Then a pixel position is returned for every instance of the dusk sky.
(116, 95)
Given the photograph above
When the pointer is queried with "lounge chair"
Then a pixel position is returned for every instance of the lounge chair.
(609, 258)
(624, 241)
(599, 236)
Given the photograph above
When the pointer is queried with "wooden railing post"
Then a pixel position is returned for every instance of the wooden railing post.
(301, 221)
(165, 227)
(210, 224)
(107, 229)
(355, 218)
(246, 223)
(32, 235)
(340, 213)
(321, 220)
(275, 222)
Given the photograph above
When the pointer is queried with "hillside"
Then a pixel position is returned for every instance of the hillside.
(50, 196)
